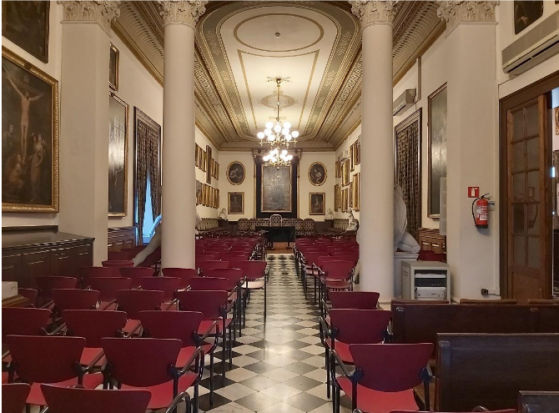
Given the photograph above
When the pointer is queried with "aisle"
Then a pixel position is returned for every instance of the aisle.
(278, 365)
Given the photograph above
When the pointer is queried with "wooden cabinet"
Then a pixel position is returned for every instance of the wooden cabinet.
(34, 252)
(121, 238)
(431, 240)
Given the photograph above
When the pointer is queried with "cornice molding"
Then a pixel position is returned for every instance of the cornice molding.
(182, 12)
(458, 12)
(96, 12)
(373, 12)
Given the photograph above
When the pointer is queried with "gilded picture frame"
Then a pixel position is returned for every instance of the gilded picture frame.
(358, 152)
(352, 157)
(345, 200)
(204, 160)
(118, 156)
(317, 203)
(557, 120)
(235, 203)
(43, 117)
(356, 194)
(114, 62)
(345, 173)
(317, 174)
(280, 190)
(350, 196)
(337, 170)
(236, 173)
(436, 127)
(196, 161)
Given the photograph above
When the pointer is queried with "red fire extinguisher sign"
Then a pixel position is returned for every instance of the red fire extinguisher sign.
(473, 192)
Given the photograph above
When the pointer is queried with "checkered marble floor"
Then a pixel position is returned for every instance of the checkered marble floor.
(278, 363)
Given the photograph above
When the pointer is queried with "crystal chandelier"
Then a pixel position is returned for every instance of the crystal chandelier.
(278, 135)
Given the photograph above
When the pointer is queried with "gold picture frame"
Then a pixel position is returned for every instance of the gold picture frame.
(263, 190)
(204, 160)
(356, 193)
(34, 72)
(357, 152)
(345, 173)
(112, 155)
(196, 161)
(557, 120)
(337, 169)
(234, 174)
(317, 203)
(235, 207)
(435, 110)
(114, 59)
(352, 157)
(345, 200)
(317, 174)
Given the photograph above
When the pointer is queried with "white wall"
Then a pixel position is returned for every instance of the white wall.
(248, 186)
(305, 186)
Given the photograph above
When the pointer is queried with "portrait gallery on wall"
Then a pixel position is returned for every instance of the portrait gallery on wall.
(118, 154)
(29, 137)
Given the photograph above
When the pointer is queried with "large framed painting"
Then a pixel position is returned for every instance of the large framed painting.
(198, 192)
(436, 125)
(114, 57)
(356, 192)
(236, 173)
(526, 13)
(118, 156)
(336, 197)
(317, 174)
(26, 23)
(317, 203)
(236, 202)
(407, 150)
(352, 157)
(276, 189)
(209, 162)
(345, 173)
(29, 137)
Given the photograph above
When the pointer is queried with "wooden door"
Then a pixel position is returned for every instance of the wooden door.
(528, 224)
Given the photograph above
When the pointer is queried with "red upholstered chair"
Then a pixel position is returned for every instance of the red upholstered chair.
(255, 274)
(350, 326)
(73, 400)
(184, 326)
(49, 359)
(120, 255)
(117, 263)
(30, 293)
(107, 287)
(166, 284)
(335, 276)
(86, 273)
(74, 298)
(237, 278)
(486, 411)
(136, 274)
(236, 257)
(93, 325)
(24, 321)
(149, 364)
(384, 377)
(48, 283)
(311, 262)
(427, 255)
(214, 306)
(14, 396)
(212, 265)
(183, 273)
(134, 301)
(365, 300)
(213, 255)
(152, 260)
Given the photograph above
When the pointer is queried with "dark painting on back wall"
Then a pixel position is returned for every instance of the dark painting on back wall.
(526, 13)
(118, 154)
(113, 67)
(29, 137)
(26, 23)
(276, 189)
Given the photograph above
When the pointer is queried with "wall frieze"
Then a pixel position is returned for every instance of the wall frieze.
(458, 12)
(96, 12)
(182, 12)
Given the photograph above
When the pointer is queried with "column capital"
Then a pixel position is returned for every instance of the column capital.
(99, 12)
(371, 12)
(185, 12)
(457, 12)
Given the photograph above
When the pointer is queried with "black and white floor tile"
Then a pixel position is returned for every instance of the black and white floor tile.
(278, 363)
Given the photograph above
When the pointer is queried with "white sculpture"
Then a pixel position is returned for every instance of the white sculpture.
(403, 240)
(352, 225)
(329, 215)
(223, 214)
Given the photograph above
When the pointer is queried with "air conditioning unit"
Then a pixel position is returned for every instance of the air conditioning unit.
(534, 47)
(404, 101)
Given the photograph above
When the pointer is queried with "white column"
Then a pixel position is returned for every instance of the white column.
(179, 181)
(472, 143)
(377, 167)
(84, 121)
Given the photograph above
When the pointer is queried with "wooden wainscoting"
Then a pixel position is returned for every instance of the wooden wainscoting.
(121, 238)
(431, 240)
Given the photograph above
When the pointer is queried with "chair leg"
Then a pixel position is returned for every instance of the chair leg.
(231, 346)
(236, 320)
(223, 350)
(314, 289)
(265, 300)
(327, 365)
(196, 394)
(212, 379)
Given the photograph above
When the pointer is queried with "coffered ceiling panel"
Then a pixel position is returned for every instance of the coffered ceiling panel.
(241, 46)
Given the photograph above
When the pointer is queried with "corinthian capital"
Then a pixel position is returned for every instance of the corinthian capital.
(182, 12)
(99, 12)
(372, 12)
(457, 12)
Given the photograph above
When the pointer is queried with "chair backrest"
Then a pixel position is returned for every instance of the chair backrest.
(108, 286)
(134, 301)
(212, 284)
(233, 274)
(327, 258)
(482, 302)
(47, 283)
(141, 362)
(213, 265)
(45, 359)
(136, 274)
(312, 257)
(166, 284)
(210, 255)
(338, 269)
(29, 293)
(14, 396)
(117, 263)
(354, 299)
(359, 326)
(24, 321)
(86, 273)
(72, 400)
(485, 411)
(183, 273)
(120, 255)
(349, 256)
(93, 325)
(392, 367)
(543, 301)
(253, 270)
(74, 298)
(172, 324)
(210, 303)
(238, 256)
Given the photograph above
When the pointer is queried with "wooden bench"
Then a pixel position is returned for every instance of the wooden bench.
(490, 370)
(538, 402)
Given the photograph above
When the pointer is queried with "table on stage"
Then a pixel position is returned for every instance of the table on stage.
(278, 234)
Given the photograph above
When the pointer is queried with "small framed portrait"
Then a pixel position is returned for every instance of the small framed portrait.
(196, 161)
(345, 200)
(317, 174)
(345, 173)
(317, 203)
(236, 202)
(113, 67)
(352, 157)
(337, 169)
(198, 192)
(557, 120)
(526, 13)
(236, 173)
(357, 152)
(204, 160)
(337, 196)
(356, 195)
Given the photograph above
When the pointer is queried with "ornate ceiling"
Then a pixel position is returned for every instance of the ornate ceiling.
(240, 45)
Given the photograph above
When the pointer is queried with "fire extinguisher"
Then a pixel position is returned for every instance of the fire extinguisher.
(480, 211)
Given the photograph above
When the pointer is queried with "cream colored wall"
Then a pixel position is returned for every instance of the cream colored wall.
(305, 186)
(52, 68)
(248, 185)
(202, 141)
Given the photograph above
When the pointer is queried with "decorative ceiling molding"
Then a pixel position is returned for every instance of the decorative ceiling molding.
(228, 114)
